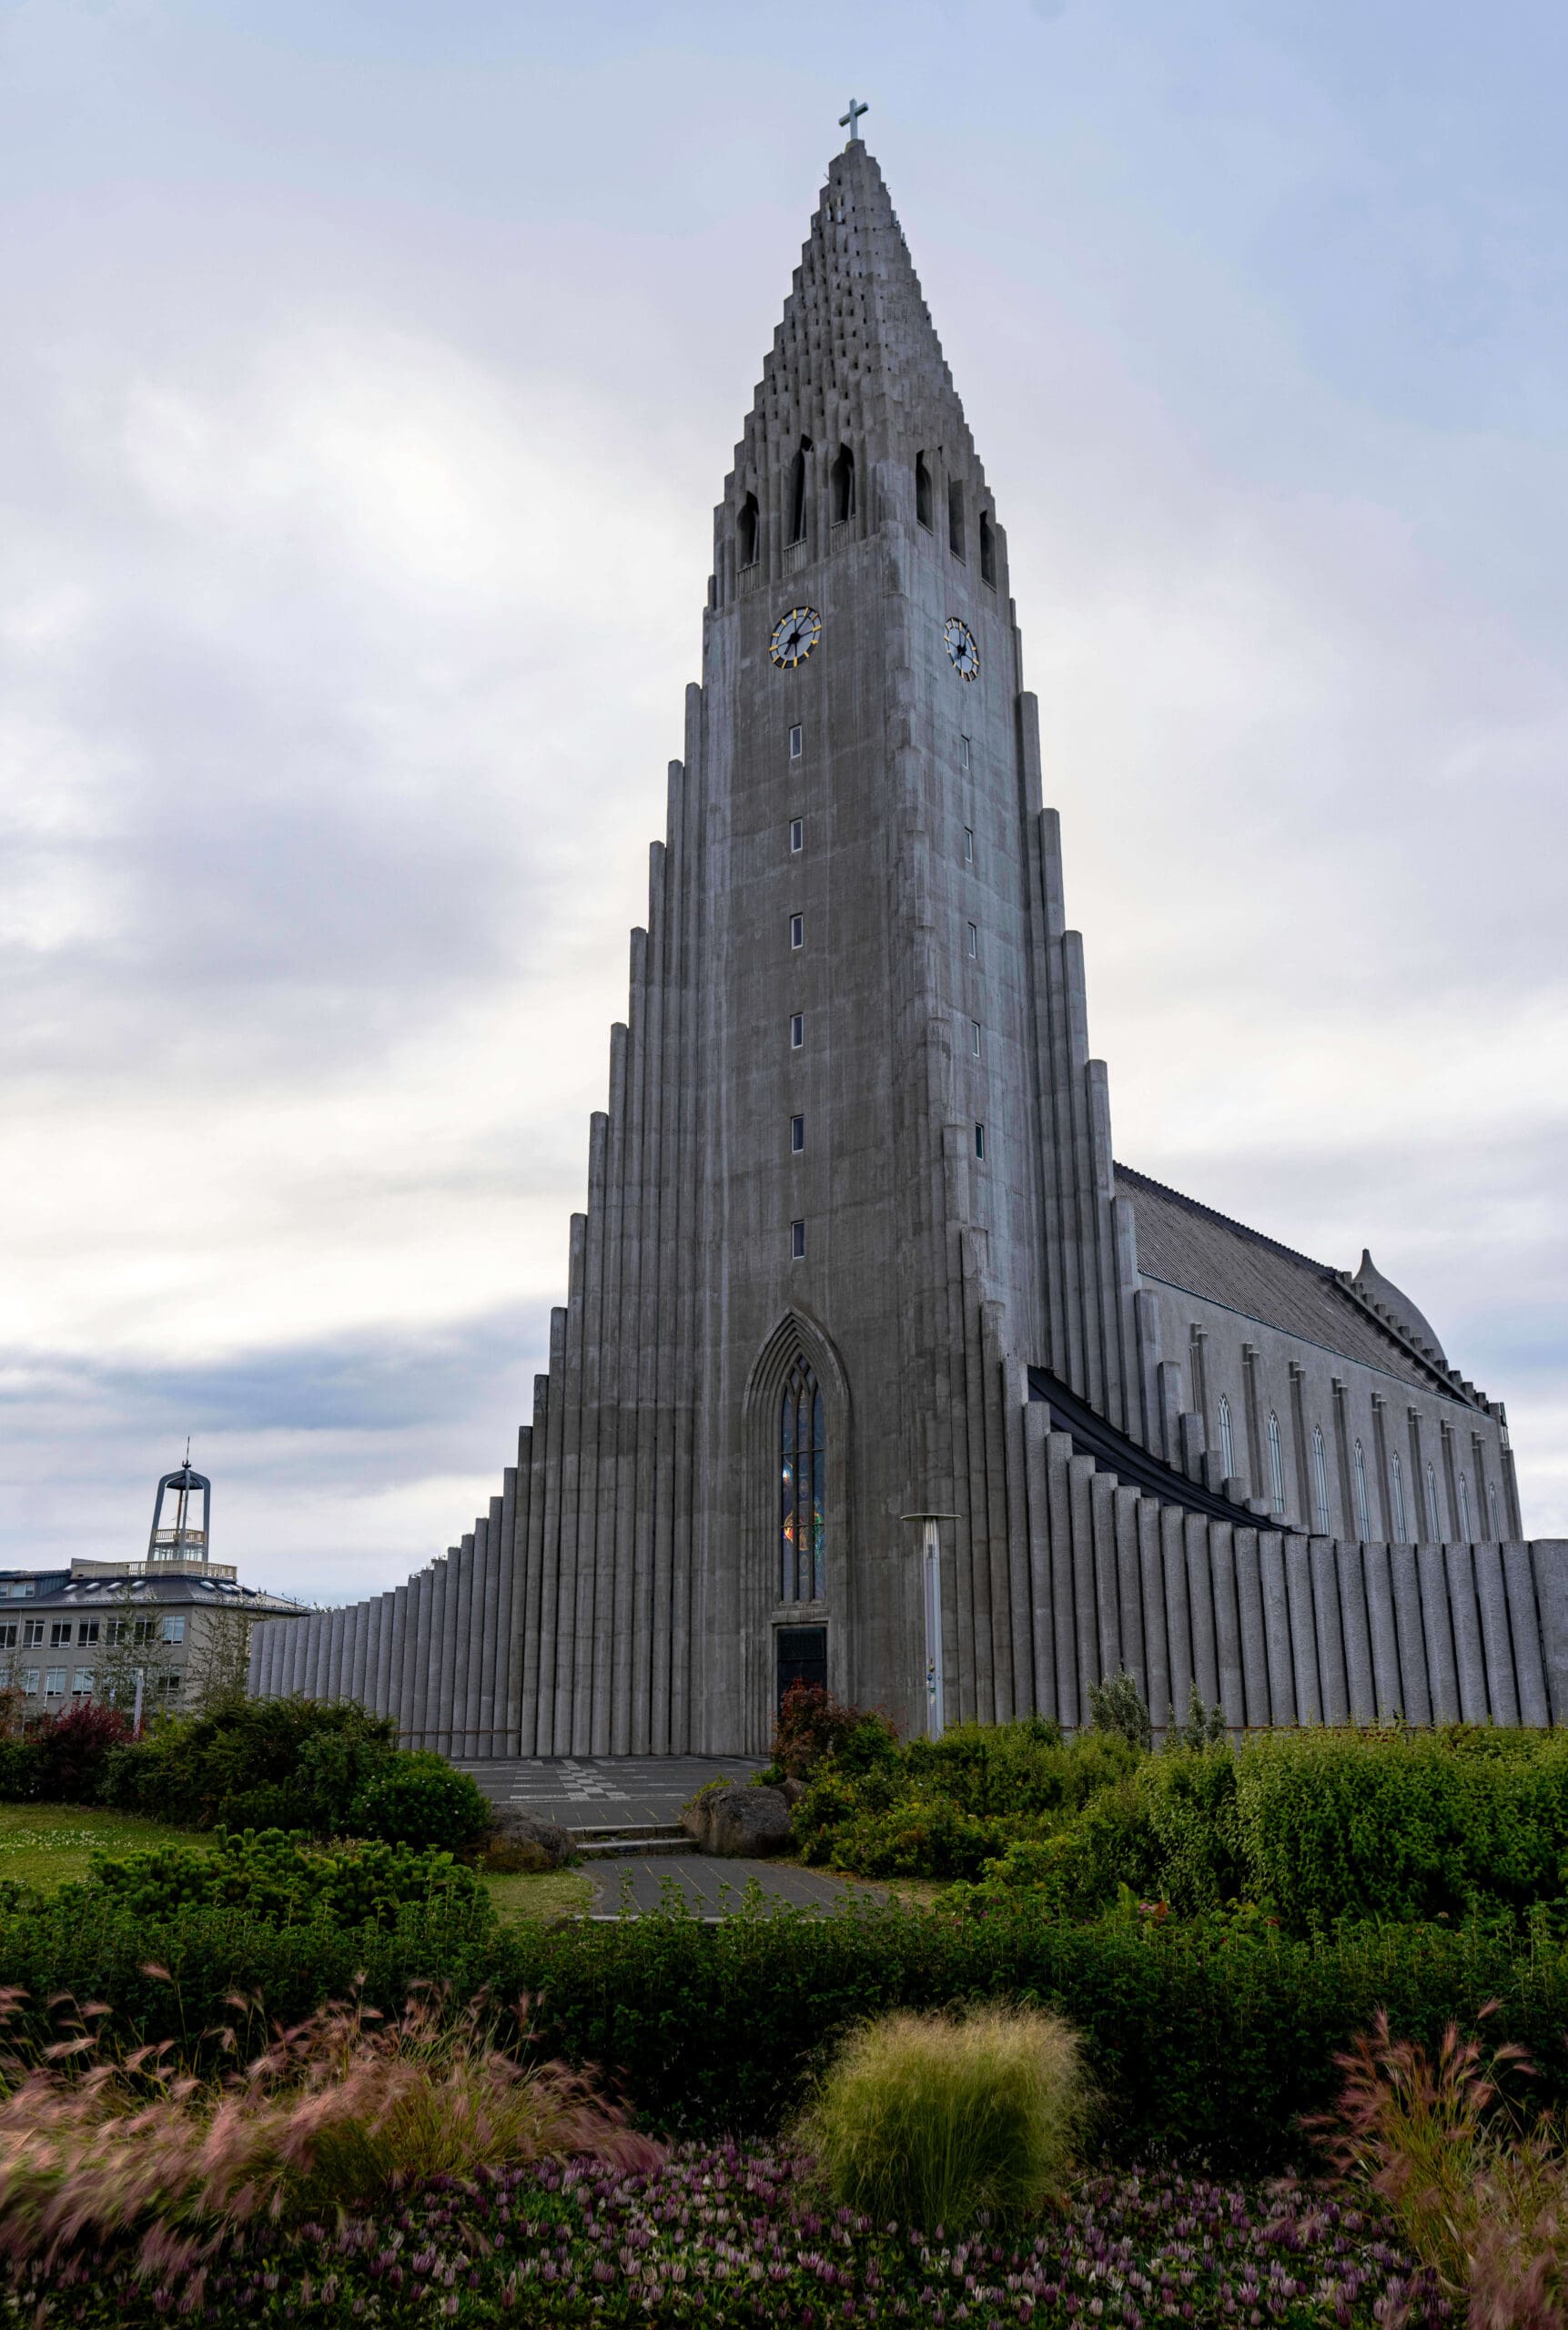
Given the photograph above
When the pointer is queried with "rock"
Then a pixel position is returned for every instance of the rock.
(739, 1823)
(522, 1840)
(792, 1792)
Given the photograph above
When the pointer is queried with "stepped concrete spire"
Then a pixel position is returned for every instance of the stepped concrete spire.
(855, 1247)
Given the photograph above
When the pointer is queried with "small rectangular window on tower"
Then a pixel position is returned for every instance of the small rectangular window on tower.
(797, 1031)
(795, 745)
(797, 930)
(969, 845)
(797, 1134)
(974, 942)
(963, 752)
(796, 834)
(975, 1038)
(797, 1241)
(979, 1140)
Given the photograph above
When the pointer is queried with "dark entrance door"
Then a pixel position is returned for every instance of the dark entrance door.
(802, 1657)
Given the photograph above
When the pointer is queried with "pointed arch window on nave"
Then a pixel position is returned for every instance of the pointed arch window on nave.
(802, 1488)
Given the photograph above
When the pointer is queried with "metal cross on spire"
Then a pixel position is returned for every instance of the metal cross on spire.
(851, 121)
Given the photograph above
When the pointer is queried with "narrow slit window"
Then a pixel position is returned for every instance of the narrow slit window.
(797, 492)
(923, 493)
(975, 1038)
(974, 942)
(1491, 1507)
(1363, 1510)
(979, 1140)
(963, 752)
(797, 833)
(796, 1135)
(795, 745)
(797, 1241)
(1276, 1466)
(1227, 1438)
(1434, 1525)
(1463, 1508)
(1320, 1479)
(842, 485)
(956, 519)
(747, 532)
(987, 551)
(796, 1031)
(797, 930)
(969, 845)
(1397, 1493)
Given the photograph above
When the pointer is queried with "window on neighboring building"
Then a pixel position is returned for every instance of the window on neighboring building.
(8, 1637)
(797, 833)
(969, 845)
(169, 1683)
(82, 1683)
(796, 746)
(1275, 1466)
(979, 1140)
(842, 485)
(1320, 1479)
(797, 930)
(59, 1634)
(1227, 1438)
(987, 551)
(1397, 1495)
(32, 1633)
(1464, 1507)
(53, 1682)
(87, 1632)
(797, 1134)
(956, 519)
(1433, 1523)
(797, 1241)
(747, 532)
(30, 1682)
(921, 491)
(796, 1031)
(174, 1630)
(803, 1488)
(1363, 1511)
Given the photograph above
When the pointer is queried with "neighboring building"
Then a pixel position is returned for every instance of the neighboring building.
(91, 1630)
(856, 1256)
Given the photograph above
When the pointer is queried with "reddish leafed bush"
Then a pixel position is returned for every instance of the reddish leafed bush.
(812, 1726)
(74, 1748)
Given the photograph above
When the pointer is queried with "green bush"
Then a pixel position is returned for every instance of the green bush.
(281, 1881)
(253, 1764)
(20, 1771)
(419, 1799)
(815, 1728)
(931, 2119)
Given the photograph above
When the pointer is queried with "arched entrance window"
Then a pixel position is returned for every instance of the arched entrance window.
(803, 1472)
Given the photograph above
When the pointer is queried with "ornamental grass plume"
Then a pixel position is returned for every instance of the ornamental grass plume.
(1480, 2199)
(934, 2119)
(333, 2114)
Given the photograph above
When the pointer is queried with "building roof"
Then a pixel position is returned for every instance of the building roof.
(1184, 1244)
(186, 1590)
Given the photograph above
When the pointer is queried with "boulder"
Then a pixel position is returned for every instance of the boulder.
(739, 1823)
(520, 1840)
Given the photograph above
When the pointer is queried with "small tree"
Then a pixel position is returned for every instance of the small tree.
(1205, 1727)
(218, 1669)
(127, 1640)
(1117, 1705)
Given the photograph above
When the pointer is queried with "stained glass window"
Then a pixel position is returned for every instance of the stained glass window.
(801, 1489)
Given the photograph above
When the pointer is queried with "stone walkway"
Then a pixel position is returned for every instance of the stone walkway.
(601, 1791)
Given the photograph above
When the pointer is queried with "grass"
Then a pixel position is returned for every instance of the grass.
(553, 1894)
(45, 1845)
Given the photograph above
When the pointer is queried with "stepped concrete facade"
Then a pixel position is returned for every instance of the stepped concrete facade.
(855, 1247)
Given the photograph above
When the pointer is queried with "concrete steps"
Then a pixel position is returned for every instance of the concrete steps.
(632, 1840)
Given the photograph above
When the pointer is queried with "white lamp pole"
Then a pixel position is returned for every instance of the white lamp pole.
(931, 1578)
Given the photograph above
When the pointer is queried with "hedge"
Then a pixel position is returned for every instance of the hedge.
(1205, 2043)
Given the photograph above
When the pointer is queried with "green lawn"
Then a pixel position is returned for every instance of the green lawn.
(45, 1844)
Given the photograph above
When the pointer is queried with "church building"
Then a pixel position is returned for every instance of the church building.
(858, 1274)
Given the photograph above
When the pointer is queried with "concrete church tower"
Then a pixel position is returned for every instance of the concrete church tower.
(856, 1248)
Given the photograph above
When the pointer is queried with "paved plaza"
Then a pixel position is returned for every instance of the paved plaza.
(606, 1791)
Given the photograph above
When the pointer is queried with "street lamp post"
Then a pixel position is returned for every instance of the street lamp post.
(931, 1570)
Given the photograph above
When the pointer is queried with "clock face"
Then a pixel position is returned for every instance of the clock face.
(961, 647)
(794, 637)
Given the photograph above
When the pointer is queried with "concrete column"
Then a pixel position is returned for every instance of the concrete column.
(1350, 1562)
(1277, 1627)
(1228, 1624)
(360, 1652)
(1156, 1628)
(1382, 1624)
(1129, 1585)
(1035, 1422)
(462, 1639)
(1329, 1630)
(1303, 1631)
(1470, 1658)
(442, 1629)
(1177, 1608)
(1196, 1532)
(1437, 1625)
(1058, 1492)
(423, 1646)
(493, 1647)
(1525, 1634)
(1549, 1560)
(1080, 1474)
(1250, 1612)
(1416, 1707)
(1102, 1497)
(1496, 1648)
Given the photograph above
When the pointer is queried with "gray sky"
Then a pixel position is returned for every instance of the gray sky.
(368, 376)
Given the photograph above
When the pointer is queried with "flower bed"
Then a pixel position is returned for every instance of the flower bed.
(729, 2237)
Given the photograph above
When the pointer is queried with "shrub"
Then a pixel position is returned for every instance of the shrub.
(814, 1729)
(336, 2113)
(1117, 1705)
(931, 2119)
(253, 1764)
(20, 1771)
(74, 1750)
(420, 1798)
(283, 1880)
